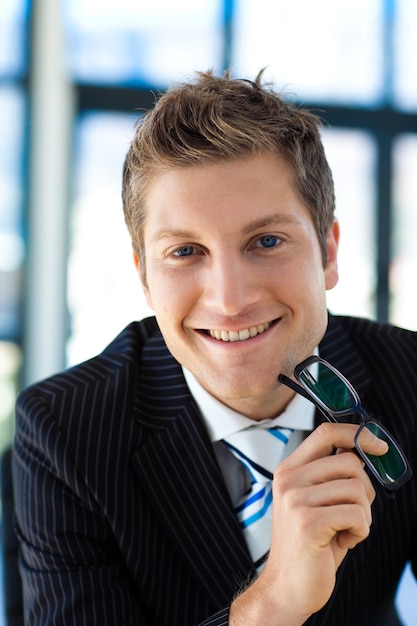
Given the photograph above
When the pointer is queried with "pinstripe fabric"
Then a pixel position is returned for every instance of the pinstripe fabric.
(115, 480)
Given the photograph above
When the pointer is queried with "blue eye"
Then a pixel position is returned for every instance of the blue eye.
(184, 251)
(267, 241)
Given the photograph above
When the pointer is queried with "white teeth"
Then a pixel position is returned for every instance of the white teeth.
(241, 335)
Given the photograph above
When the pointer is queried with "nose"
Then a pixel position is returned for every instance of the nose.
(230, 285)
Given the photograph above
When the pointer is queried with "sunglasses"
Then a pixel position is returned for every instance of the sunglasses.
(339, 402)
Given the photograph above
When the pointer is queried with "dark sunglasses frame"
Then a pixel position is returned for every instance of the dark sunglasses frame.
(340, 415)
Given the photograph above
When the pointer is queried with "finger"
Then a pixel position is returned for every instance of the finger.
(347, 522)
(320, 526)
(344, 491)
(328, 492)
(330, 469)
(369, 441)
(328, 437)
(356, 525)
(363, 475)
(357, 528)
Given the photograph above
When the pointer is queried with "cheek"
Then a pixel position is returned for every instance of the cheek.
(303, 281)
(308, 287)
(148, 298)
(171, 295)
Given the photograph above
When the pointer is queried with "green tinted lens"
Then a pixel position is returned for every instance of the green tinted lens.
(329, 388)
(389, 466)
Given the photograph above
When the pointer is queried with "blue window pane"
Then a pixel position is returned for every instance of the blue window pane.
(11, 235)
(405, 58)
(12, 37)
(352, 157)
(103, 290)
(321, 50)
(10, 363)
(403, 268)
(133, 41)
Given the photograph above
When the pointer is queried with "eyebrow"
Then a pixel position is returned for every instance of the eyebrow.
(262, 222)
(163, 233)
(274, 218)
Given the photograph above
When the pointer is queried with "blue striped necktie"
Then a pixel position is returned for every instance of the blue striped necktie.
(260, 450)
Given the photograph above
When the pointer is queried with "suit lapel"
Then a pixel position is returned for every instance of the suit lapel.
(179, 472)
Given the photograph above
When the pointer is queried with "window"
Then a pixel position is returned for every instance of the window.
(103, 289)
(403, 269)
(12, 242)
(320, 51)
(352, 155)
(142, 43)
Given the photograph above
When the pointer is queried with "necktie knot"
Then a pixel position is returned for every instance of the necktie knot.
(259, 449)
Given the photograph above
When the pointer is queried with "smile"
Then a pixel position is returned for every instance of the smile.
(239, 335)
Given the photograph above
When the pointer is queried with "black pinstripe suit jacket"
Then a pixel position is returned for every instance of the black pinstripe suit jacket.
(122, 512)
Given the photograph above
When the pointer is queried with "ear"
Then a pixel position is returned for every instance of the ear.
(331, 273)
(142, 277)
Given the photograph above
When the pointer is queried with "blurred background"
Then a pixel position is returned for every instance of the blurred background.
(75, 75)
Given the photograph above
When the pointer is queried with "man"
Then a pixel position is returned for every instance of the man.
(125, 482)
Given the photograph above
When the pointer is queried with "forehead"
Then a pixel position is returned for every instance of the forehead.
(243, 189)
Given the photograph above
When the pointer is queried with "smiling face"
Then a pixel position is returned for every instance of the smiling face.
(235, 275)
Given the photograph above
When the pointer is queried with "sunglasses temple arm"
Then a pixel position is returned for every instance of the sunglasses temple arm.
(294, 386)
(298, 389)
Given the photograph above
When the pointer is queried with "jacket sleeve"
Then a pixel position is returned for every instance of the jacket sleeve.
(71, 570)
(71, 566)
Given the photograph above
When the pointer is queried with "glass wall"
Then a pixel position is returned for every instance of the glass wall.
(11, 251)
(404, 57)
(12, 242)
(103, 290)
(404, 263)
(352, 157)
(323, 50)
(13, 36)
(136, 42)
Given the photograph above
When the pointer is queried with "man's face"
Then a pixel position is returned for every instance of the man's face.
(235, 277)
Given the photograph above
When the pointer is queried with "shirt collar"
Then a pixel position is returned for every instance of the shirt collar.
(221, 421)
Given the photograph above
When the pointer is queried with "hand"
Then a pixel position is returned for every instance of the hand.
(321, 509)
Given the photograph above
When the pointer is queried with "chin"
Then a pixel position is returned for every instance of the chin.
(244, 390)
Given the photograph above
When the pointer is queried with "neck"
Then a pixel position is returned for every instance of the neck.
(267, 406)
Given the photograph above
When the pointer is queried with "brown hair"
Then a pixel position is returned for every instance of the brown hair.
(214, 119)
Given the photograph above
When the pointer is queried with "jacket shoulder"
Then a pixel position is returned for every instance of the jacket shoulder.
(80, 404)
(124, 348)
(375, 336)
(373, 352)
(110, 375)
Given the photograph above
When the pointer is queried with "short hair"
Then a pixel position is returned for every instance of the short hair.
(219, 118)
